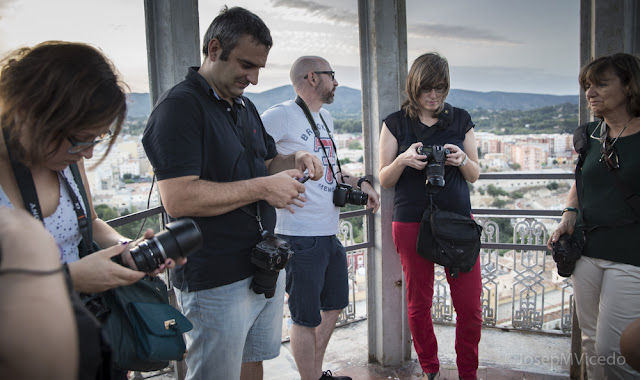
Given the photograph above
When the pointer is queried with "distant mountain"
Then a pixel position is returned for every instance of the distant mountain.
(347, 104)
(138, 105)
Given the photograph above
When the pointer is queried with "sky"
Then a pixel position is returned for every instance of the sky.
(491, 45)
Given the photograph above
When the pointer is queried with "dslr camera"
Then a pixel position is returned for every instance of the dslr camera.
(269, 255)
(566, 251)
(344, 194)
(436, 157)
(180, 239)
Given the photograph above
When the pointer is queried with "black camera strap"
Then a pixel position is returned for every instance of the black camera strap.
(248, 146)
(27, 188)
(316, 132)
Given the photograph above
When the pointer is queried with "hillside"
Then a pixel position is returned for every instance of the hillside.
(348, 104)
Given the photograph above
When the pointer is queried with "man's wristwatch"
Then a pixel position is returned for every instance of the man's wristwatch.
(363, 179)
(466, 159)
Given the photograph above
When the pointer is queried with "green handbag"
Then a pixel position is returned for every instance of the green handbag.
(145, 332)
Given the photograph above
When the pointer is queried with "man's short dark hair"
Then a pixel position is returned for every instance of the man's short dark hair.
(232, 24)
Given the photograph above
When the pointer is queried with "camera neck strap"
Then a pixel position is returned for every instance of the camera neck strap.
(316, 132)
(27, 188)
(248, 146)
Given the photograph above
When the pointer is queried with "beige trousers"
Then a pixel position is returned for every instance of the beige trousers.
(607, 298)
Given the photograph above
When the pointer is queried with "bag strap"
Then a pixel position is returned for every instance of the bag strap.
(25, 183)
(248, 145)
(316, 132)
(84, 224)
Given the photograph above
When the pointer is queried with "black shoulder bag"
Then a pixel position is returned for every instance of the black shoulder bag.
(449, 239)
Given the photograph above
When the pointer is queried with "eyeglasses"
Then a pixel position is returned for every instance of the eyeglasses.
(609, 155)
(332, 73)
(77, 146)
(439, 89)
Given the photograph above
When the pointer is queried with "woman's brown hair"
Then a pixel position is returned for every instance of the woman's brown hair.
(54, 91)
(427, 71)
(624, 66)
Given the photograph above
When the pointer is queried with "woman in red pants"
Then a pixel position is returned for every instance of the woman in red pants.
(439, 126)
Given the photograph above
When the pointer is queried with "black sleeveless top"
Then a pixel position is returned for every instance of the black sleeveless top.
(410, 199)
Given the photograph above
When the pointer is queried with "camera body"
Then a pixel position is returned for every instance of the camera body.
(436, 157)
(270, 256)
(180, 239)
(566, 251)
(344, 194)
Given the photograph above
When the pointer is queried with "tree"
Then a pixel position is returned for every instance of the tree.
(354, 145)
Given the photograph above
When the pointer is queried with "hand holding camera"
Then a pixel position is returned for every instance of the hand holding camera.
(436, 158)
(180, 239)
(566, 251)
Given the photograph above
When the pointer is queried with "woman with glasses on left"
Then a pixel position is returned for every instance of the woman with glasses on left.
(57, 101)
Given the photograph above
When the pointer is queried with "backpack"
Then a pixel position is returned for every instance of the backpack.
(449, 239)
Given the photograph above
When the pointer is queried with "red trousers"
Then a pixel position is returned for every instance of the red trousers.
(466, 291)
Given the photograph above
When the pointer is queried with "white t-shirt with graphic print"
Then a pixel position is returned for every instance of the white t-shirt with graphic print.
(290, 129)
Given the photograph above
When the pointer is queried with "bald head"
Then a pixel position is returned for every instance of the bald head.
(303, 65)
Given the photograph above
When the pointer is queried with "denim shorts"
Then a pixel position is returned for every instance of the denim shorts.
(231, 325)
(317, 278)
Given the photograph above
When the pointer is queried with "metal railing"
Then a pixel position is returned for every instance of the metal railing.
(521, 289)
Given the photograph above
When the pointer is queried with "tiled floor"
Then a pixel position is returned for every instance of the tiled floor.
(413, 372)
(347, 355)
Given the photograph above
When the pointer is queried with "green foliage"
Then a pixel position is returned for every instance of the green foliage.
(560, 118)
(105, 212)
(553, 186)
(506, 229)
(517, 194)
(347, 125)
(499, 203)
(354, 145)
(126, 176)
(495, 191)
(129, 230)
(134, 125)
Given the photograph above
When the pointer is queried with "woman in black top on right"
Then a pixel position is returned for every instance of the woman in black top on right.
(606, 279)
(401, 166)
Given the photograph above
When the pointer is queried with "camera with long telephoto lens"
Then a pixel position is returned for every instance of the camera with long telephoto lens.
(566, 251)
(180, 239)
(344, 194)
(436, 157)
(270, 255)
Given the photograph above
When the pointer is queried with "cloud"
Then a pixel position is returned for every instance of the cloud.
(4, 4)
(330, 13)
(461, 33)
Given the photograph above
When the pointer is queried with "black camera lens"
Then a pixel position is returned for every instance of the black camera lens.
(180, 239)
(357, 197)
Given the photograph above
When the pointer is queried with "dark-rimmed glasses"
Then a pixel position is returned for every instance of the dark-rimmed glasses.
(332, 73)
(78, 146)
(439, 89)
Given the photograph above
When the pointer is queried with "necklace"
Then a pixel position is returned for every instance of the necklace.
(619, 134)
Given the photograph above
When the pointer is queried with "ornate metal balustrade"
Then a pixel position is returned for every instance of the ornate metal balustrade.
(520, 286)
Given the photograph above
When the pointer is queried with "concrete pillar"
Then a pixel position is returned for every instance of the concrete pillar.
(607, 27)
(173, 42)
(383, 52)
